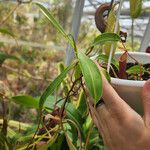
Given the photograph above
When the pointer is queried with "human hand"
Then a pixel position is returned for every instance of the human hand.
(120, 126)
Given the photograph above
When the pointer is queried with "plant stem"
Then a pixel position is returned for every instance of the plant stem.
(115, 31)
(78, 130)
(88, 136)
(71, 89)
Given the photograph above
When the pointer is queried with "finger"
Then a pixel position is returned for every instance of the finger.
(102, 113)
(146, 101)
(100, 117)
(105, 121)
(111, 97)
(109, 94)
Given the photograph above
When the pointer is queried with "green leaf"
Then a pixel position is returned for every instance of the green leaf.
(58, 143)
(26, 100)
(105, 58)
(55, 23)
(5, 31)
(92, 76)
(32, 102)
(78, 72)
(4, 56)
(106, 74)
(136, 69)
(69, 142)
(4, 142)
(53, 85)
(72, 112)
(135, 8)
(29, 101)
(82, 104)
(61, 68)
(74, 43)
(106, 37)
(95, 141)
(111, 21)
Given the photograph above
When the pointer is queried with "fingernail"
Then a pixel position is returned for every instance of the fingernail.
(100, 102)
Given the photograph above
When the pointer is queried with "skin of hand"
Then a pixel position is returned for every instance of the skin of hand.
(120, 126)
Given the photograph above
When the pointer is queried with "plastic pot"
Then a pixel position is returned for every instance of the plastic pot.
(130, 90)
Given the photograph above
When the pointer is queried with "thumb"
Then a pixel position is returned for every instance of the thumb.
(146, 101)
